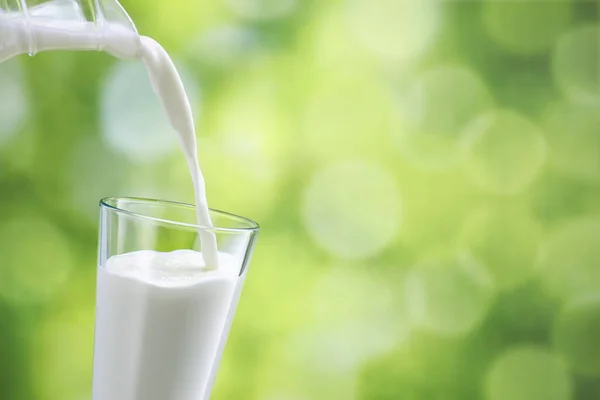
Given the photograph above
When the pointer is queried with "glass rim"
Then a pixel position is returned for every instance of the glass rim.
(105, 202)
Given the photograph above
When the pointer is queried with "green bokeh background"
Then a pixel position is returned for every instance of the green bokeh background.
(426, 175)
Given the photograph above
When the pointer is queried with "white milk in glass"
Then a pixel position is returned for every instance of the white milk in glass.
(153, 309)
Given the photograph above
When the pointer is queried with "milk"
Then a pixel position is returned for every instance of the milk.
(40, 32)
(169, 89)
(160, 318)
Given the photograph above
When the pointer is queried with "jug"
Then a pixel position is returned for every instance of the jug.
(38, 25)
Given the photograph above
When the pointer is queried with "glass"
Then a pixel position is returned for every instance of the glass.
(160, 337)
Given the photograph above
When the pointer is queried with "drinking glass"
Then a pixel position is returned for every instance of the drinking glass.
(163, 342)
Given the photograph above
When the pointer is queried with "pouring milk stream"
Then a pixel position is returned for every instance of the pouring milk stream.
(140, 294)
(45, 27)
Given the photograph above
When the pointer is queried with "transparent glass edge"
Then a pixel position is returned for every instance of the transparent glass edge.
(105, 203)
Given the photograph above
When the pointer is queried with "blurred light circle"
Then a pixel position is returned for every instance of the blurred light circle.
(294, 284)
(224, 45)
(13, 99)
(347, 116)
(571, 258)
(358, 318)
(399, 31)
(263, 9)
(328, 46)
(35, 257)
(436, 204)
(573, 134)
(246, 150)
(528, 374)
(526, 27)
(352, 209)
(503, 152)
(576, 64)
(62, 352)
(284, 396)
(20, 153)
(173, 21)
(576, 333)
(434, 110)
(93, 172)
(133, 121)
(448, 296)
(282, 375)
(327, 352)
(505, 241)
(307, 385)
(168, 179)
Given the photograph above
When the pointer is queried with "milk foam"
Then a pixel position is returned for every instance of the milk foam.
(178, 268)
